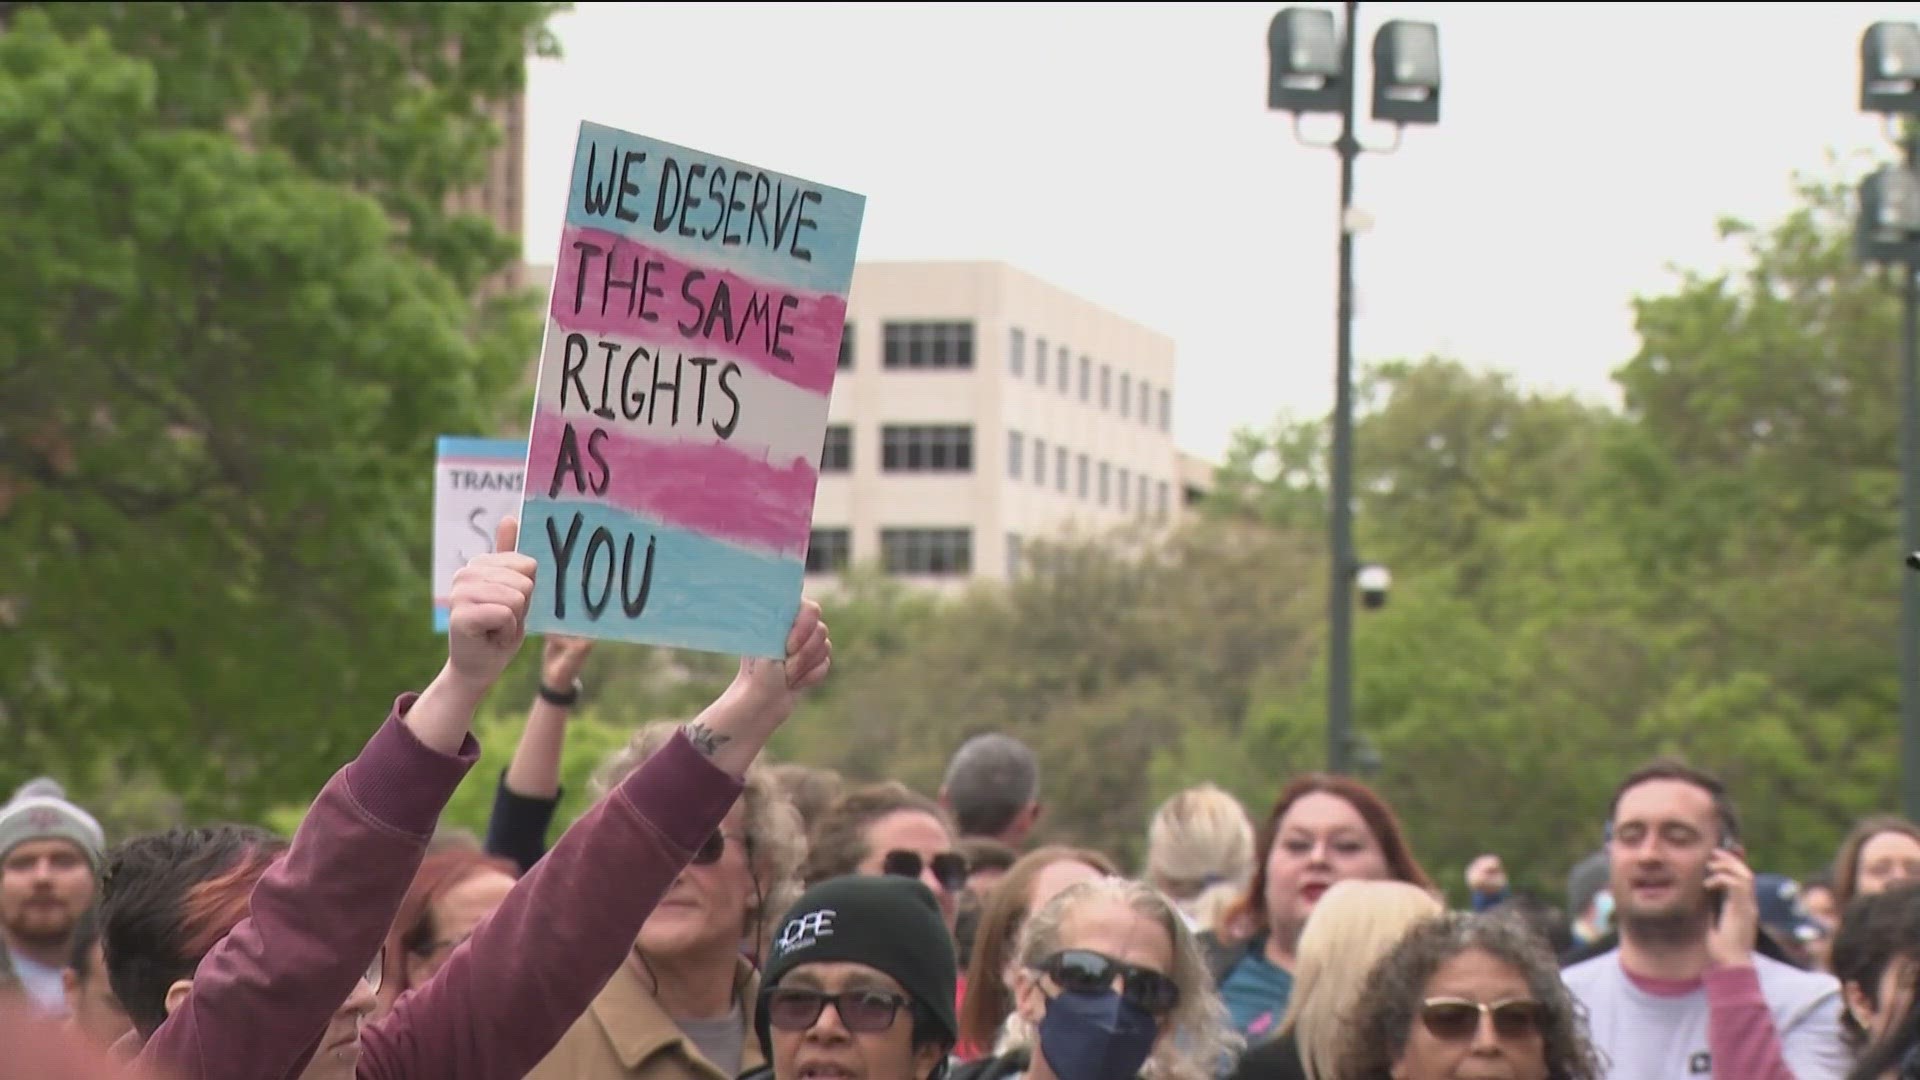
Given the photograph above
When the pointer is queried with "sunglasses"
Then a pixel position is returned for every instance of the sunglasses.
(376, 970)
(864, 1011)
(1082, 971)
(950, 869)
(715, 847)
(1458, 1020)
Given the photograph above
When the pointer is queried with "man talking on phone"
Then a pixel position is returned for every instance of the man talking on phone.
(1685, 995)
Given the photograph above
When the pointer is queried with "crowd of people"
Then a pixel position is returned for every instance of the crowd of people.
(716, 916)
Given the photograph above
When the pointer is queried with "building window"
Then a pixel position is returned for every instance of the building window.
(1013, 555)
(837, 454)
(1015, 444)
(1040, 365)
(1162, 493)
(1126, 394)
(1146, 489)
(1066, 371)
(1126, 488)
(926, 551)
(1106, 387)
(1060, 469)
(927, 345)
(1016, 352)
(927, 448)
(1083, 476)
(829, 551)
(1086, 378)
(1166, 410)
(1106, 482)
(846, 346)
(1146, 403)
(1040, 462)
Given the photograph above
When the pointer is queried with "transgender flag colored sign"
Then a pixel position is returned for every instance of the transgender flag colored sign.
(692, 339)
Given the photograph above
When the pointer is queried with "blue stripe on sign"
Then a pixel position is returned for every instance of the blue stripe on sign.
(468, 446)
(703, 594)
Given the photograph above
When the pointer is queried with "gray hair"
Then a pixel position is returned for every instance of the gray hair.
(991, 778)
(776, 842)
(1195, 1037)
(1383, 1018)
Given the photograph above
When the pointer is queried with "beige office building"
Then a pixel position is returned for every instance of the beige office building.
(977, 409)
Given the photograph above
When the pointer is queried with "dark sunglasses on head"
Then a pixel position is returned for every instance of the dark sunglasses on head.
(796, 1009)
(1083, 971)
(1458, 1020)
(949, 869)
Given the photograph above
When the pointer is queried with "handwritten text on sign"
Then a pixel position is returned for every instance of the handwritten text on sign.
(692, 339)
(476, 483)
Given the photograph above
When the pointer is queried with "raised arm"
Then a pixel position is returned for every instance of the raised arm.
(529, 790)
(507, 995)
(261, 997)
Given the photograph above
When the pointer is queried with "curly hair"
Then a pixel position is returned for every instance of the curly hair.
(776, 841)
(1200, 1037)
(1383, 1018)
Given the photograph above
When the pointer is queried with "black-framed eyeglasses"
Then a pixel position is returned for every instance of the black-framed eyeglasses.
(1457, 1019)
(715, 847)
(793, 1008)
(1083, 971)
(949, 868)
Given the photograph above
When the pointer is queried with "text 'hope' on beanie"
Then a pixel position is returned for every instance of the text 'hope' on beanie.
(890, 924)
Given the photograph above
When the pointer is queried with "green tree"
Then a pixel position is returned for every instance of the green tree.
(233, 317)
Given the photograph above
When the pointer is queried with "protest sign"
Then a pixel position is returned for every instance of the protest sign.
(692, 338)
(476, 482)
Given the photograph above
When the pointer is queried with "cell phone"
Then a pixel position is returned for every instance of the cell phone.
(1717, 898)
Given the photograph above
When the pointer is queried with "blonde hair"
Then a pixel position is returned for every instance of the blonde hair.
(1195, 1036)
(1351, 928)
(1199, 838)
(1211, 906)
(776, 842)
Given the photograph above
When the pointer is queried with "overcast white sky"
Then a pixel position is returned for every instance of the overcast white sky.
(1125, 153)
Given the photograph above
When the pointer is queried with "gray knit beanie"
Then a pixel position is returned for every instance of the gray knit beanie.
(40, 811)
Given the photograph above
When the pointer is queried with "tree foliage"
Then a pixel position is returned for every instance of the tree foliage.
(234, 314)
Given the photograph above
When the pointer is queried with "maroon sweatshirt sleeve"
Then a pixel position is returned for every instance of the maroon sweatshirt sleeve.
(1740, 1032)
(506, 996)
(263, 996)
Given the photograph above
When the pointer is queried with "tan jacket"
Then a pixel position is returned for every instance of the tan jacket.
(625, 1035)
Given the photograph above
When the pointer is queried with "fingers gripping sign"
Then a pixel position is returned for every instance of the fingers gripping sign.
(489, 615)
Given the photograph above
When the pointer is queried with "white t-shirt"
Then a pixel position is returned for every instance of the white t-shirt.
(1771, 1021)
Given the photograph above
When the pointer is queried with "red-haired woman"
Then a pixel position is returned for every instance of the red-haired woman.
(1323, 829)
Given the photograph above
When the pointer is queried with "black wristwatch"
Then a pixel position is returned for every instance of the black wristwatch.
(563, 698)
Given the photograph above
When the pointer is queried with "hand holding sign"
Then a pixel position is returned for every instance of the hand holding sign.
(489, 618)
(763, 694)
(809, 655)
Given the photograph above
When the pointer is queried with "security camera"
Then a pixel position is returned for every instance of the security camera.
(1913, 560)
(1374, 581)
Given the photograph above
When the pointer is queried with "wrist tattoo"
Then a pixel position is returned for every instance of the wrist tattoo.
(705, 739)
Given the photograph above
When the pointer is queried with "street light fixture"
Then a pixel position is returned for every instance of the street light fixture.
(1888, 232)
(1312, 69)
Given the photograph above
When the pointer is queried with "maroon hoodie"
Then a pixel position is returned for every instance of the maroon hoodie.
(263, 996)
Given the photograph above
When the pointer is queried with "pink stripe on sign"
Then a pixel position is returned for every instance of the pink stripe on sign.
(711, 488)
(620, 286)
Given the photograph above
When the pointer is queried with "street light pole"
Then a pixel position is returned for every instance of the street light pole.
(1889, 234)
(1314, 68)
(1910, 511)
(1340, 591)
